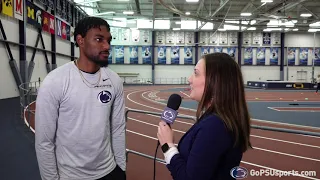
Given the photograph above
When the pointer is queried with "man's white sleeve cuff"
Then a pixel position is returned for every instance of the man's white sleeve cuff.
(170, 153)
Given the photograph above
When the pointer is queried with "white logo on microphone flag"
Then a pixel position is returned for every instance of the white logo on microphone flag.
(169, 115)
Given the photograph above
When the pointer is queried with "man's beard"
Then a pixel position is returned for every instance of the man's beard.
(98, 61)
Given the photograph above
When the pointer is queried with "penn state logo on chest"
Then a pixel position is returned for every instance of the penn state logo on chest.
(104, 97)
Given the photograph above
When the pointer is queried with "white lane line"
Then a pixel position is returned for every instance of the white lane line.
(157, 102)
(290, 142)
(153, 124)
(257, 148)
(184, 94)
(256, 136)
(252, 164)
(253, 119)
(286, 154)
(25, 119)
(274, 109)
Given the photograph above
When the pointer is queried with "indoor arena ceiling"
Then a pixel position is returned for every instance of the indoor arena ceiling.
(284, 15)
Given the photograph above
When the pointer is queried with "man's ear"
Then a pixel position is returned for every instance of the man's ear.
(79, 40)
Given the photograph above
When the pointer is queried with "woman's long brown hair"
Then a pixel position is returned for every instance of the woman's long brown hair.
(224, 96)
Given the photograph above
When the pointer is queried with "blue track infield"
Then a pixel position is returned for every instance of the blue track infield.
(260, 110)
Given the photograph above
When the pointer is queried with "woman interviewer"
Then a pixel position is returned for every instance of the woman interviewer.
(215, 143)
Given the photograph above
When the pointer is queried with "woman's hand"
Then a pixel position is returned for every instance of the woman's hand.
(165, 134)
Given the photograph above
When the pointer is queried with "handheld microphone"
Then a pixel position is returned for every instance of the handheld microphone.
(170, 112)
(169, 115)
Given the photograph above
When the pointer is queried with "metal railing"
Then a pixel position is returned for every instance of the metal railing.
(28, 94)
(152, 113)
(157, 81)
(194, 119)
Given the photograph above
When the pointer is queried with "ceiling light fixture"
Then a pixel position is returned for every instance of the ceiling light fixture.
(246, 14)
(187, 13)
(306, 15)
(103, 13)
(128, 12)
(266, 1)
(192, 1)
(90, 1)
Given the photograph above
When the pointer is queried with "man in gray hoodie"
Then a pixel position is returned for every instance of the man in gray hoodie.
(80, 115)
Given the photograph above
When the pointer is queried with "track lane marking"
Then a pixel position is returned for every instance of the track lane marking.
(252, 164)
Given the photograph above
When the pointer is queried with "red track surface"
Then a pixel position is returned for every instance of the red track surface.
(275, 150)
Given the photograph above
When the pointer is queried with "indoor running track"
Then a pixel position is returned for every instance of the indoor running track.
(272, 150)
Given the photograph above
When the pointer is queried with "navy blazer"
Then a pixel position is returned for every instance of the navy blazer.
(205, 152)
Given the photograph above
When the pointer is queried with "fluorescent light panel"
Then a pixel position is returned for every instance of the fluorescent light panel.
(266, 1)
(188, 24)
(119, 22)
(306, 15)
(91, 1)
(314, 30)
(162, 24)
(207, 26)
(246, 14)
(144, 24)
(252, 29)
(103, 13)
(275, 23)
(316, 24)
(192, 0)
(128, 12)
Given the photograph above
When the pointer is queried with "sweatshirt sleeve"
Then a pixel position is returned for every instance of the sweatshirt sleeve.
(46, 116)
(118, 128)
(209, 144)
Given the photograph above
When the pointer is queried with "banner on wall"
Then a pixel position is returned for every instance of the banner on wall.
(146, 54)
(266, 38)
(7, 7)
(303, 56)
(46, 22)
(18, 9)
(133, 54)
(175, 56)
(110, 56)
(64, 30)
(68, 32)
(217, 49)
(248, 56)
(232, 51)
(51, 24)
(188, 55)
(59, 27)
(317, 57)
(205, 50)
(291, 56)
(39, 16)
(274, 56)
(119, 51)
(135, 35)
(261, 56)
(162, 50)
(31, 18)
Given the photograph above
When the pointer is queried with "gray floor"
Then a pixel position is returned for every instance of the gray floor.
(17, 154)
(260, 110)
